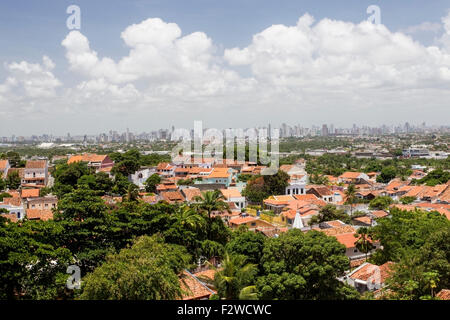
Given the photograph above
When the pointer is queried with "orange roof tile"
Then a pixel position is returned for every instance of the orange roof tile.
(30, 193)
(444, 294)
(369, 270)
(39, 164)
(38, 214)
(193, 288)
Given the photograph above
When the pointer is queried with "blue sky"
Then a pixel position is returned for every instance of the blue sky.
(30, 30)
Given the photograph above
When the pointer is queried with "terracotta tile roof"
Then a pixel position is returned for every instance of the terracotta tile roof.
(14, 194)
(206, 275)
(311, 198)
(164, 187)
(38, 164)
(172, 196)
(150, 199)
(272, 232)
(193, 288)
(350, 175)
(191, 193)
(164, 166)
(30, 193)
(13, 201)
(322, 191)
(10, 216)
(37, 214)
(347, 239)
(357, 262)
(231, 193)
(219, 173)
(444, 294)
(415, 191)
(379, 213)
(445, 196)
(336, 223)
(87, 157)
(432, 192)
(242, 220)
(364, 219)
(395, 185)
(368, 270)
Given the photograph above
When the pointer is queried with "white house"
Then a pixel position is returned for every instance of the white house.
(140, 177)
(36, 173)
(232, 195)
(296, 187)
(18, 211)
(369, 277)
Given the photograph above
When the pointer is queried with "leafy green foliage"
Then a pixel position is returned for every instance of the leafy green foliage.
(303, 266)
(261, 187)
(146, 271)
(330, 213)
(152, 182)
(13, 180)
(387, 174)
(381, 203)
(234, 276)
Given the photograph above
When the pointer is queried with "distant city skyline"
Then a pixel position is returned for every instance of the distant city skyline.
(285, 130)
(149, 64)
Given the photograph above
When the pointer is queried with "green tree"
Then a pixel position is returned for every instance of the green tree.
(387, 174)
(235, 275)
(147, 271)
(13, 181)
(248, 244)
(304, 266)
(381, 203)
(330, 213)
(350, 193)
(211, 201)
(152, 182)
(364, 240)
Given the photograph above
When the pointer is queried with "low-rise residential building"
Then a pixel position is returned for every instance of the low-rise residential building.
(353, 178)
(251, 222)
(233, 195)
(35, 173)
(96, 161)
(42, 203)
(140, 177)
(369, 277)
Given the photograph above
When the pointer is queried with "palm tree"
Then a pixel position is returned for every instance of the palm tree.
(364, 243)
(234, 276)
(189, 219)
(350, 193)
(248, 293)
(132, 192)
(211, 201)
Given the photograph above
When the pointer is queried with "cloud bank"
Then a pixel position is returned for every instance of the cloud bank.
(321, 71)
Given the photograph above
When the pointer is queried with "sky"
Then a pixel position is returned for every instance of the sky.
(145, 65)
